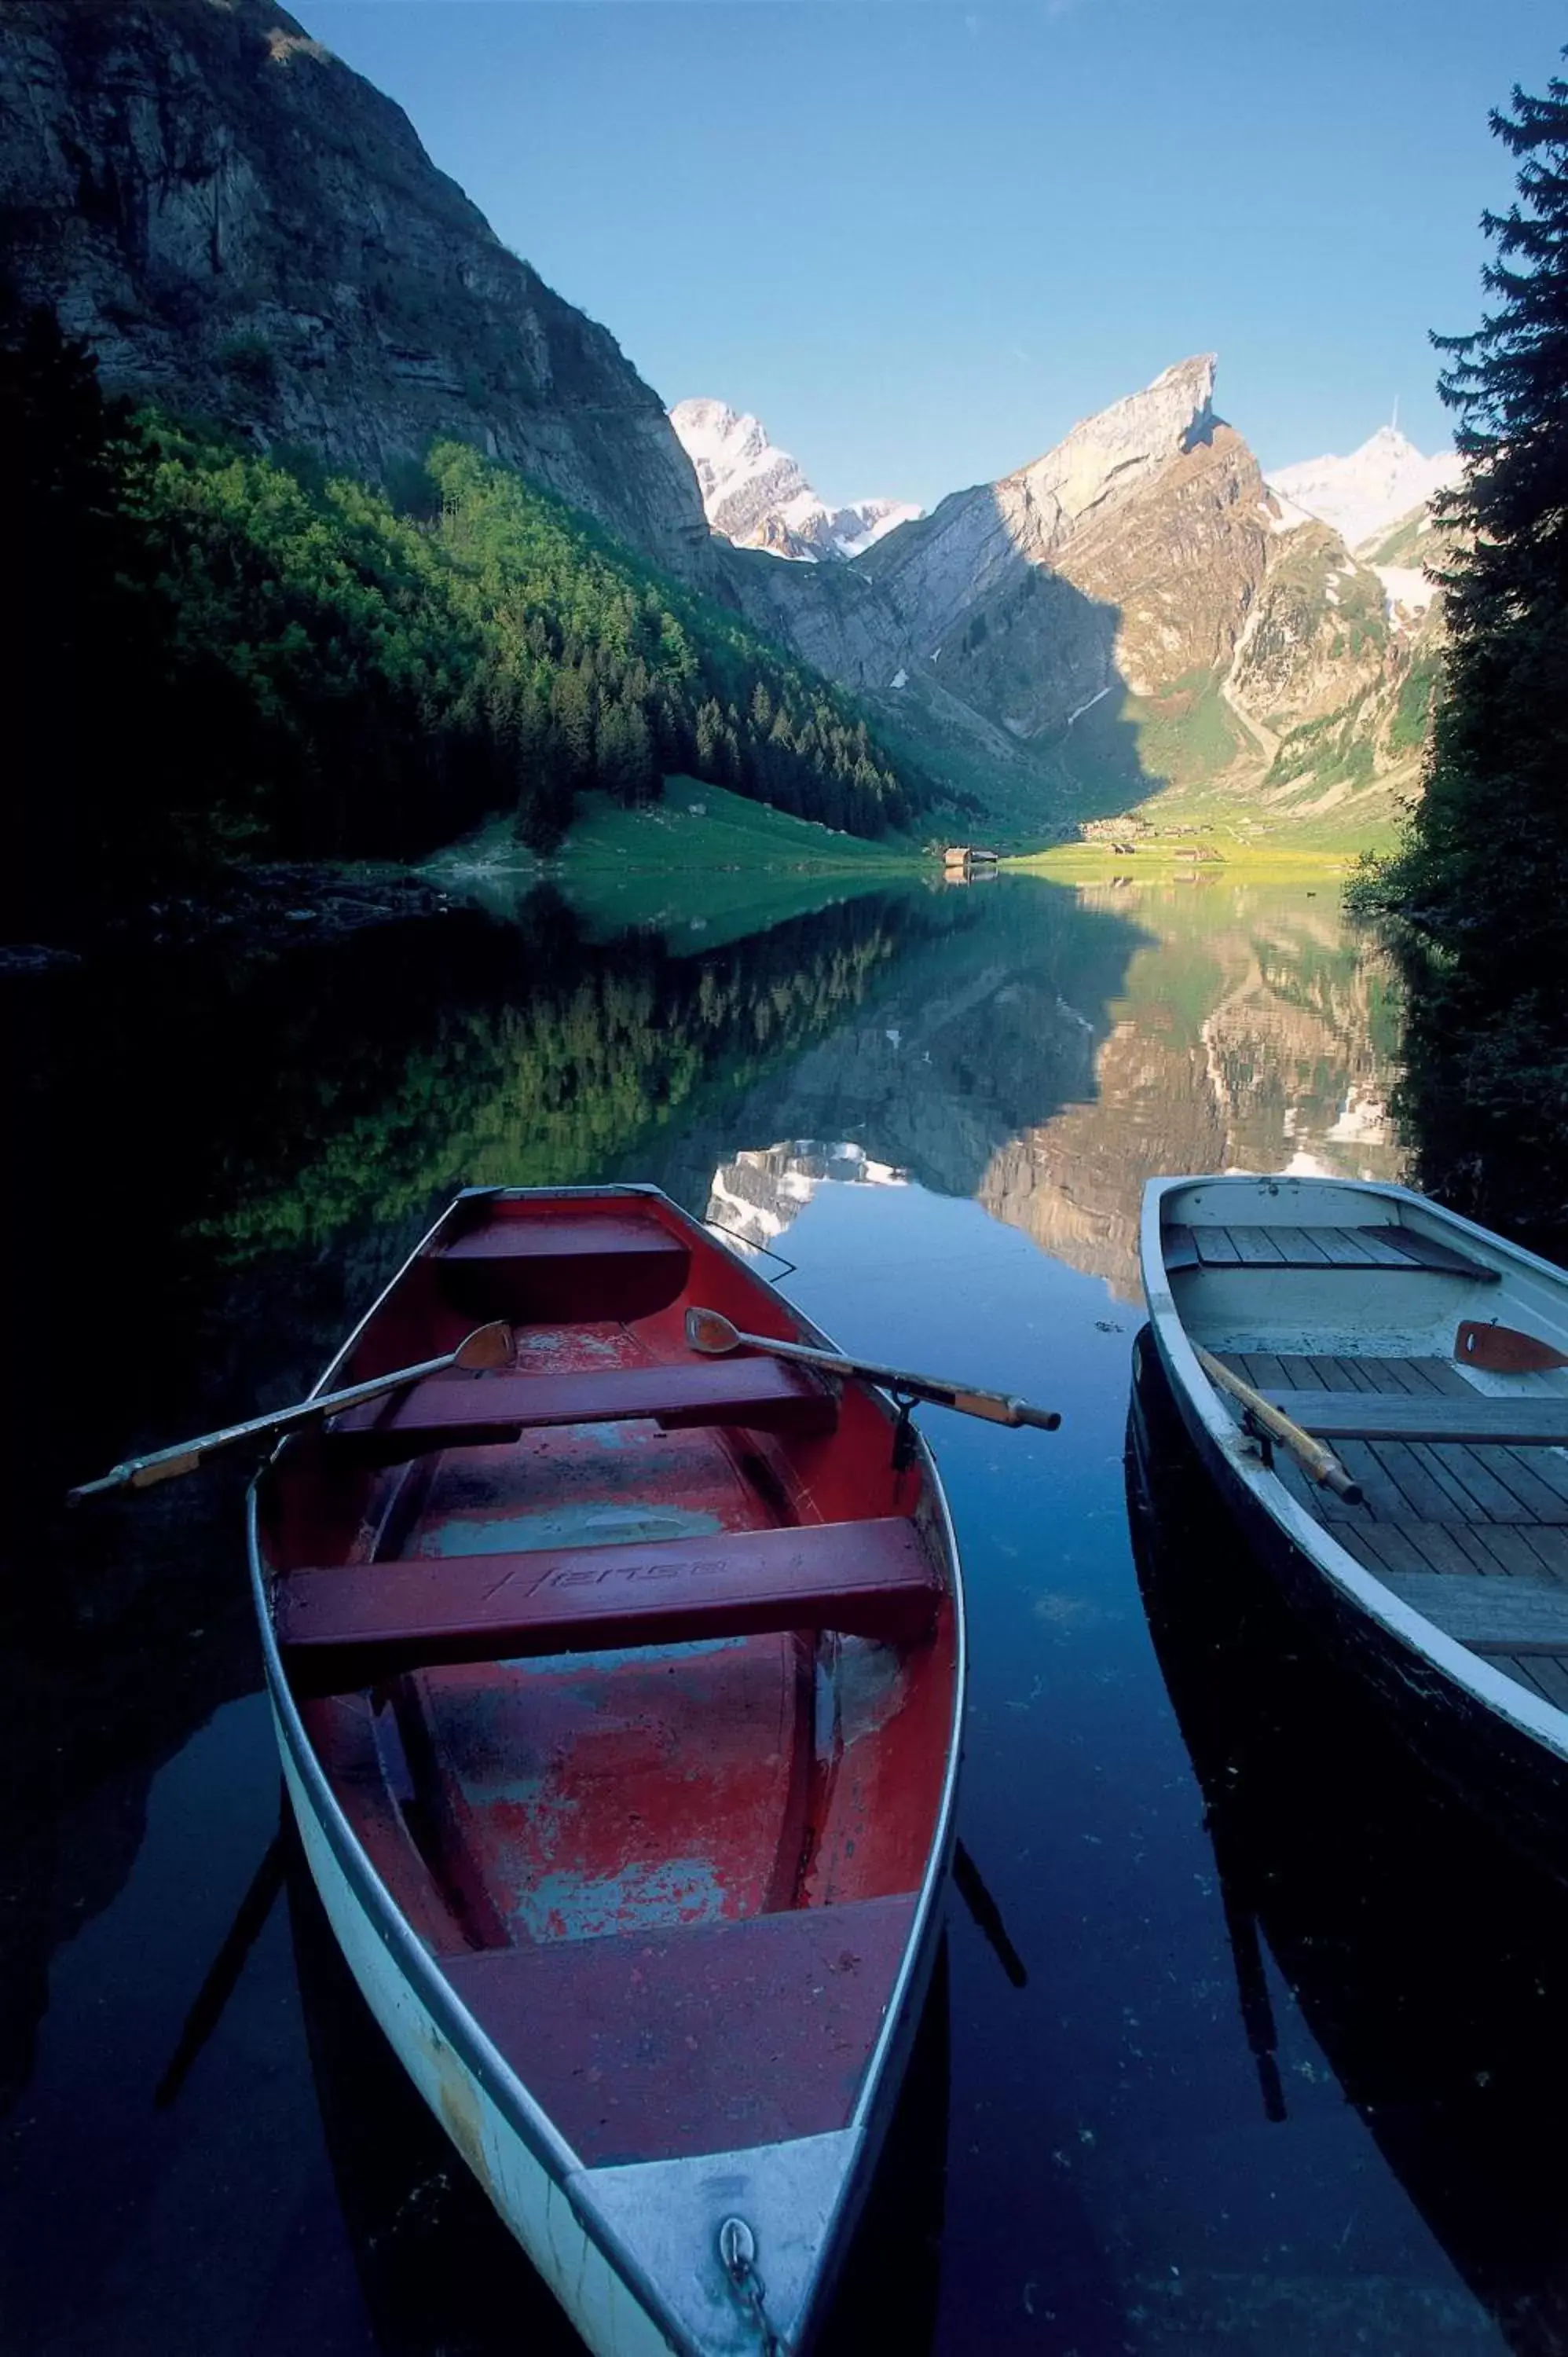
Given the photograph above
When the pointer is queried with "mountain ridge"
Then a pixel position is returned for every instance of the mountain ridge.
(241, 227)
(1138, 612)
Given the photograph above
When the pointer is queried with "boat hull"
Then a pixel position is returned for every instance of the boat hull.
(533, 2204)
(1503, 1751)
(600, 2290)
(567, 2216)
(1419, 1948)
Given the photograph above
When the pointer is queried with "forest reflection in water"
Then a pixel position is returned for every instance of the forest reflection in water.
(942, 1104)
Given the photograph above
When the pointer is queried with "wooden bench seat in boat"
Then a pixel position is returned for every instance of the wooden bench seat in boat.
(350, 1626)
(1406, 1415)
(592, 1236)
(602, 1261)
(657, 2017)
(447, 1410)
(1284, 1247)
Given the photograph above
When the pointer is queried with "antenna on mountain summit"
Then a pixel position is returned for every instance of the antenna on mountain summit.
(1394, 421)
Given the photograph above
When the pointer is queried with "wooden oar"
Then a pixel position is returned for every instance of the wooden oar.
(486, 1346)
(1311, 1455)
(708, 1331)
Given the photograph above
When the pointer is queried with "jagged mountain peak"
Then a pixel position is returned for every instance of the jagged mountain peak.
(1126, 442)
(757, 495)
(1377, 485)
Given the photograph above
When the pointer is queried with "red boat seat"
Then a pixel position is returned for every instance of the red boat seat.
(602, 1262)
(695, 2038)
(591, 1236)
(348, 1627)
(445, 1411)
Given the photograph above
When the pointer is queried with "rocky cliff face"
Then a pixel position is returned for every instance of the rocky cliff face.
(240, 225)
(971, 585)
(1134, 610)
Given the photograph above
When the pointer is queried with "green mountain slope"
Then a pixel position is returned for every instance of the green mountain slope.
(328, 670)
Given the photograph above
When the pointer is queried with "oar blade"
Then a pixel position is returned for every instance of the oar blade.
(709, 1331)
(486, 1346)
(1504, 1350)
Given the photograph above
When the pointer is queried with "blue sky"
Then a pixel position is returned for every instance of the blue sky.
(921, 241)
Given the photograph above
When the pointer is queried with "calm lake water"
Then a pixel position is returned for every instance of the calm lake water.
(1285, 2074)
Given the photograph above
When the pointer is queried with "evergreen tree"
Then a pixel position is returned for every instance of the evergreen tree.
(1484, 872)
(1494, 817)
(220, 652)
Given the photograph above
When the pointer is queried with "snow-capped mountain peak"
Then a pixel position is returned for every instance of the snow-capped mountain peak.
(1363, 494)
(757, 496)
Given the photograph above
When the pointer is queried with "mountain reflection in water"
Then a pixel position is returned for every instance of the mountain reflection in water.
(944, 1103)
(1246, 1029)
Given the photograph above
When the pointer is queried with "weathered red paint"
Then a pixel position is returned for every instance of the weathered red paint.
(749, 2032)
(365, 1622)
(672, 1875)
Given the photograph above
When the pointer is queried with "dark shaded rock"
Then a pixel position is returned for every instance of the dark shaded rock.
(240, 226)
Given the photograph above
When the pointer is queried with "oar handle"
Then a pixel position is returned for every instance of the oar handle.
(140, 1473)
(1334, 1477)
(995, 1409)
(486, 1346)
(1312, 1455)
(708, 1331)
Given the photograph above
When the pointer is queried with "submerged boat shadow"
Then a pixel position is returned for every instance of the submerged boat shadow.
(1429, 1960)
(442, 2277)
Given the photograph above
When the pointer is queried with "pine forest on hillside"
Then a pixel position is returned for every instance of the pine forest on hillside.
(231, 653)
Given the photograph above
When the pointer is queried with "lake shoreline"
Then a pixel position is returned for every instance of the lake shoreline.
(248, 909)
(700, 856)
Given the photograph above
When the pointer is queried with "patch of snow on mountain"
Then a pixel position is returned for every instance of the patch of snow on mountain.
(1406, 589)
(877, 518)
(758, 497)
(1371, 489)
(1079, 712)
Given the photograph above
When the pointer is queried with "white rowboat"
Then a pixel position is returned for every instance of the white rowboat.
(1428, 1359)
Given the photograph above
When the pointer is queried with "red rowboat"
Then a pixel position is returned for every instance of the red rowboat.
(619, 1694)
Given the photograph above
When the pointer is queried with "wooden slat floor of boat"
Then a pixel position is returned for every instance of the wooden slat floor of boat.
(1441, 1520)
(1366, 1248)
(352, 1625)
(1492, 1616)
(701, 2038)
(1478, 1421)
